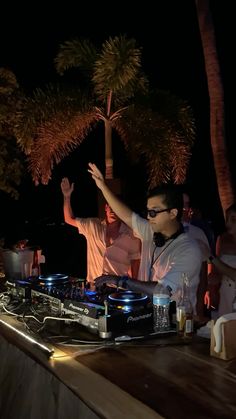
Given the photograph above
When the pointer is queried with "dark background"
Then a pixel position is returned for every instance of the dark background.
(172, 59)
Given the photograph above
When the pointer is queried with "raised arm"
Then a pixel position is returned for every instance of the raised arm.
(67, 190)
(121, 210)
(223, 268)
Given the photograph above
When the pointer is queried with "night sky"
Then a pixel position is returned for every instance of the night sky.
(172, 59)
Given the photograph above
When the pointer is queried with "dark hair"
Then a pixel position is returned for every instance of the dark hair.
(172, 197)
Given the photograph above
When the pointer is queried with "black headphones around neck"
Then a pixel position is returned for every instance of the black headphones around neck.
(159, 239)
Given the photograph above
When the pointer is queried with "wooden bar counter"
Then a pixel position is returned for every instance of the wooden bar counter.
(158, 378)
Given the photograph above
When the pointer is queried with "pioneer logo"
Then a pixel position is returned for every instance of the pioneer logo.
(84, 310)
(142, 317)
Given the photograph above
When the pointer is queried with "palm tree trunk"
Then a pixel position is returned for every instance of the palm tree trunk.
(108, 150)
(216, 95)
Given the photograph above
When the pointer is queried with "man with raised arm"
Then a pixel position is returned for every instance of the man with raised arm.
(111, 246)
(167, 252)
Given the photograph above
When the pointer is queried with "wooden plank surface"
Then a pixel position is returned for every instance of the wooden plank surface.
(103, 397)
(175, 381)
(159, 378)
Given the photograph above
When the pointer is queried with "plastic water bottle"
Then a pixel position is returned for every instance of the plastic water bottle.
(161, 302)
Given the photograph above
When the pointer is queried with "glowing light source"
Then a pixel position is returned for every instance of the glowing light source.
(127, 300)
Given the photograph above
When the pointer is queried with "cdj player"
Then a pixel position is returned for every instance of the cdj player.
(117, 312)
(108, 313)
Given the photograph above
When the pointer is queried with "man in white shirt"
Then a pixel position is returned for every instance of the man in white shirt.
(111, 246)
(167, 252)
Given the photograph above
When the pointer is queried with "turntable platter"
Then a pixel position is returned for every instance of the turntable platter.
(128, 298)
(53, 279)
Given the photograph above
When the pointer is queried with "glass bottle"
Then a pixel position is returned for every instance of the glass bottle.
(35, 265)
(161, 302)
(184, 310)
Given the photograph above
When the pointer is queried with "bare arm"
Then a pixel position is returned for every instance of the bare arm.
(224, 269)
(67, 190)
(141, 286)
(130, 284)
(211, 267)
(121, 210)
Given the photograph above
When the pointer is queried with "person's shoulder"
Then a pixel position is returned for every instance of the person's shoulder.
(225, 237)
(226, 244)
(186, 241)
(90, 221)
(193, 228)
(195, 232)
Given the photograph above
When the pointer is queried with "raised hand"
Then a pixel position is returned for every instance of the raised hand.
(66, 187)
(96, 175)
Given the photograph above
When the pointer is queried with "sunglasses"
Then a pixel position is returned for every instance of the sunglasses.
(152, 212)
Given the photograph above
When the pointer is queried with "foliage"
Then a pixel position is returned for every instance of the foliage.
(11, 160)
(51, 124)
(156, 125)
(162, 130)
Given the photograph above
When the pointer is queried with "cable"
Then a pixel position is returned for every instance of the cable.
(20, 315)
(59, 319)
(86, 342)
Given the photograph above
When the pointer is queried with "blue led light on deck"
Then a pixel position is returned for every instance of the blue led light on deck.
(126, 309)
(127, 300)
(53, 277)
(91, 293)
(22, 282)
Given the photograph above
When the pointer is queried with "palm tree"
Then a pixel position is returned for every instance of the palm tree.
(154, 124)
(11, 166)
(216, 95)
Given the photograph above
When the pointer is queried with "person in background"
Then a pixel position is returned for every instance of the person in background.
(111, 245)
(198, 233)
(167, 252)
(199, 228)
(222, 267)
(221, 285)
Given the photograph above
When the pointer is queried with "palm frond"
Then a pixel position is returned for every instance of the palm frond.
(56, 138)
(118, 67)
(162, 141)
(145, 133)
(180, 154)
(136, 86)
(175, 110)
(76, 53)
(156, 125)
(44, 106)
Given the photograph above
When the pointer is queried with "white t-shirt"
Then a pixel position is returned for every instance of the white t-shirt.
(114, 259)
(198, 234)
(178, 256)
